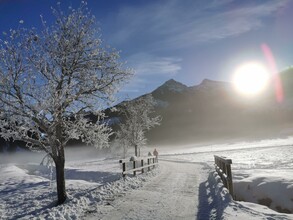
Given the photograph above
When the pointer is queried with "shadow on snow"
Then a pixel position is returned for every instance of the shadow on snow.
(213, 199)
(25, 194)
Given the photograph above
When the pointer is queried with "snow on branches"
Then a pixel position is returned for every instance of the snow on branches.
(137, 118)
(51, 79)
(48, 77)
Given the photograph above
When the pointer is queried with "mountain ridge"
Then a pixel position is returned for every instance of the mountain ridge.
(212, 110)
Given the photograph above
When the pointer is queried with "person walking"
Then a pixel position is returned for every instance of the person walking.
(156, 154)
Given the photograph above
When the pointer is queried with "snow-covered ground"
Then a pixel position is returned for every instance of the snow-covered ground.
(185, 179)
(262, 171)
(28, 192)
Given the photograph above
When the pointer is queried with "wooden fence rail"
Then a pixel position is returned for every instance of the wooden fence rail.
(223, 168)
(138, 165)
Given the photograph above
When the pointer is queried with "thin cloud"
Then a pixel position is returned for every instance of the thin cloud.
(147, 64)
(179, 24)
(147, 67)
(135, 85)
(222, 25)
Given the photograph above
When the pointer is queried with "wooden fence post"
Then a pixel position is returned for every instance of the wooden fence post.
(229, 180)
(142, 169)
(123, 169)
(134, 172)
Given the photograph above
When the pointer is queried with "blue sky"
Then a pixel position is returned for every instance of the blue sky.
(187, 40)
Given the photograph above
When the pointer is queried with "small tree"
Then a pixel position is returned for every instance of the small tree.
(49, 80)
(136, 119)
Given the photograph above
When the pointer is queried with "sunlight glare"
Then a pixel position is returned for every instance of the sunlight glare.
(250, 79)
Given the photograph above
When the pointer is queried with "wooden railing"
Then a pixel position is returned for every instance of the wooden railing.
(141, 164)
(223, 168)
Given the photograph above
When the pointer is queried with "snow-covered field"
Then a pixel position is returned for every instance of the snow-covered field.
(262, 172)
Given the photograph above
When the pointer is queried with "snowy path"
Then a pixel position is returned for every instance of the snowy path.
(173, 194)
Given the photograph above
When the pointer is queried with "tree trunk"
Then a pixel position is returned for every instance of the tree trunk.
(135, 148)
(60, 179)
(60, 161)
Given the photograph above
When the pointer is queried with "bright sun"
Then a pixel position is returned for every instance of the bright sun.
(250, 79)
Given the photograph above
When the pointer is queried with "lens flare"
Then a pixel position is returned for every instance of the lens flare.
(279, 92)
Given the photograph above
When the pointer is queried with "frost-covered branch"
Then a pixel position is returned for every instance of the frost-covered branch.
(137, 118)
(51, 79)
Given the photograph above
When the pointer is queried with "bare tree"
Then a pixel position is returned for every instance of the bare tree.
(137, 118)
(50, 79)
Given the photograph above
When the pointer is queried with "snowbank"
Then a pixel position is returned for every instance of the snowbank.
(27, 192)
(227, 208)
(272, 188)
(91, 201)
